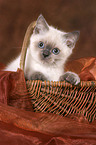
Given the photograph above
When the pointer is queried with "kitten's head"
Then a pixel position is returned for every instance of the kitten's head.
(49, 45)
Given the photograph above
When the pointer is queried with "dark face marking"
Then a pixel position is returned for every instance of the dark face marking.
(46, 52)
(49, 47)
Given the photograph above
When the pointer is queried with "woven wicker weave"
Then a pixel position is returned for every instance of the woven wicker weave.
(60, 97)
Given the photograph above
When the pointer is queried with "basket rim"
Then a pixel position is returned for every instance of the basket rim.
(62, 83)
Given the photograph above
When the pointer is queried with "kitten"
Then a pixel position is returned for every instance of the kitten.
(47, 53)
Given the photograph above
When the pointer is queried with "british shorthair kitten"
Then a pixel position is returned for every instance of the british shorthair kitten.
(47, 53)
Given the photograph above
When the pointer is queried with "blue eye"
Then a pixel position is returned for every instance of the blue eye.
(41, 45)
(56, 51)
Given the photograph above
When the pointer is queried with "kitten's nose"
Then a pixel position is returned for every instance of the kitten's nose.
(46, 53)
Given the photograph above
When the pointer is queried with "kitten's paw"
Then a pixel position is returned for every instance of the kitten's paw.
(38, 76)
(71, 78)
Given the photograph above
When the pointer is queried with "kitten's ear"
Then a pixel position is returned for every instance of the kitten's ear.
(71, 38)
(41, 25)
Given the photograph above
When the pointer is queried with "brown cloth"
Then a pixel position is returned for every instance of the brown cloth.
(85, 67)
(20, 125)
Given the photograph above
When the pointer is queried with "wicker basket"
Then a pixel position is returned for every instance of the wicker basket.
(60, 97)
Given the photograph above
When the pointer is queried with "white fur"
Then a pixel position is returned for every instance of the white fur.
(13, 65)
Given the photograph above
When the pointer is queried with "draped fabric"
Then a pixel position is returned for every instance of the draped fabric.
(19, 124)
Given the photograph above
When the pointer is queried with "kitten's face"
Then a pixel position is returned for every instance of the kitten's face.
(50, 46)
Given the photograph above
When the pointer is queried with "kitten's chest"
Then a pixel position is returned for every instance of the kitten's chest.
(52, 73)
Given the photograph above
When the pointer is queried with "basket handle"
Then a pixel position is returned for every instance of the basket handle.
(26, 42)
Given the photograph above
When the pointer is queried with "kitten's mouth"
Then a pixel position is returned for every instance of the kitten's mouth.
(46, 61)
(56, 62)
(49, 61)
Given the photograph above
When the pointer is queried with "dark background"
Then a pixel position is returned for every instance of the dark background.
(67, 15)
